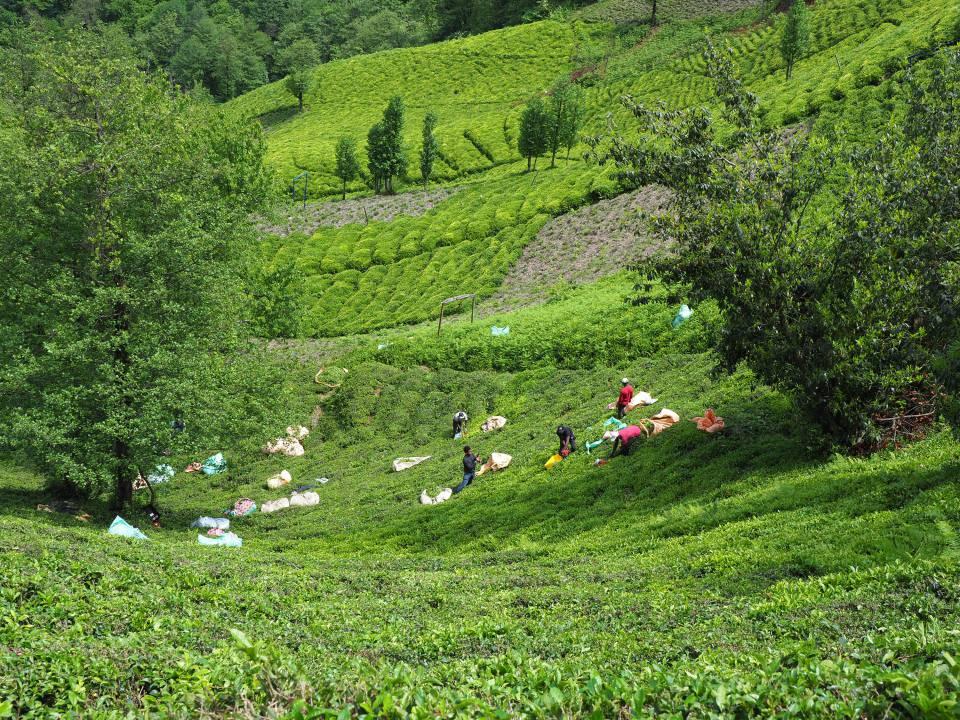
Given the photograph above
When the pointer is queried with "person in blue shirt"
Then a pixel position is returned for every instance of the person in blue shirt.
(469, 469)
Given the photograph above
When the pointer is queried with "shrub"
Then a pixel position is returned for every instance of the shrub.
(850, 313)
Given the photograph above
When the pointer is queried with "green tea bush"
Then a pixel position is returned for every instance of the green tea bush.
(588, 327)
(382, 274)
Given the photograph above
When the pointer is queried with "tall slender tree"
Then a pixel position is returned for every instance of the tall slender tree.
(377, 156)
(796, 34)
(429, 148)
(348, 167)
(534, 130)
(395, 157)
(564, 117)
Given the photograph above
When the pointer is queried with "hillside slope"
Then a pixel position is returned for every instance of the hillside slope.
(474, 85)
(360, 277)
(478, 85)
(732, 575)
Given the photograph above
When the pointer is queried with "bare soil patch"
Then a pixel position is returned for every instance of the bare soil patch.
(581, 247)
(336, 213)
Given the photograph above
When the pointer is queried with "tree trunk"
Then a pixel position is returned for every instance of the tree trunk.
(553, 158)
(528, 163)
(300, 99)
(344, 189)
(653, 14)
(121, 450)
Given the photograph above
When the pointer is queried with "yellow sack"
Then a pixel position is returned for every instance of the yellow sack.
(554, 459)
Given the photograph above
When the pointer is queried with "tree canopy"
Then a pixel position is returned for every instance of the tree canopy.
(124, 228)
(796, 34)
(534, 132)
(835, 265)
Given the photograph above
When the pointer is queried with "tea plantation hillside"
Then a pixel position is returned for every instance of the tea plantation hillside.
(477, 85)
(474, 85)
(738, 575)
(364, 276)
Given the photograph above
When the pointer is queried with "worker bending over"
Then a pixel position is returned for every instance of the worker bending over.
(459, 422)
(626, 395)
(568, 443)
(625, 438)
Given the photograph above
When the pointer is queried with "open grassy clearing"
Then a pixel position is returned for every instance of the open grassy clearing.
(740, 573)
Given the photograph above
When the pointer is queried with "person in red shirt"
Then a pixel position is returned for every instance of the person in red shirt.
(625, 439)
(626, 395)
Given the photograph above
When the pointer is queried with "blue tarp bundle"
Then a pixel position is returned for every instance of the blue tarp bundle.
(121, 527)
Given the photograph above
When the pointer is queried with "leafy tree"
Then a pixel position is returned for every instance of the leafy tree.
(189, 64)
(796, 34)
(385, 30)
(160, 42)
(123, 235)
(275, 296)
(378, 156)
(565, 117)
(348, 167)
(386, 158)
(429, 148)
(534, 132)
(837, 271)
(297, 61)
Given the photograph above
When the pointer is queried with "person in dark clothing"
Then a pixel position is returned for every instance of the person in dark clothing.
(459, 421)
(469, 469)
(568, 443)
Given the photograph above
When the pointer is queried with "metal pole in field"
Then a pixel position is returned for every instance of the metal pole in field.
(293, 187)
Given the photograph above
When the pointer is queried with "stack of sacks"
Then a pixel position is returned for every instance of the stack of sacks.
(442, 496)
(278, 481)
(289, 445)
